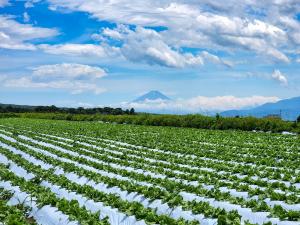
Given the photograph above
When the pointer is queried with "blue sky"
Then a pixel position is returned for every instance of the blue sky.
(205, 56)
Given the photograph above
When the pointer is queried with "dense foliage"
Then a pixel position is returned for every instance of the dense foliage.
(13, 215)
(54, 109)
(192, 121)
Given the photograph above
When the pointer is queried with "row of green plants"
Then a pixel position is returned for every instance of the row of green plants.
(192, 121)
(228, 155)
(247, 164)
(259, 169)
(129, 208)
(44, 197)
(269, 149)
(223, 217)
(228, 197)
(175, 139)
(13, 215)
(186, 141)
(268, 173)
(194, 174)
(227, 172)
(114, 201)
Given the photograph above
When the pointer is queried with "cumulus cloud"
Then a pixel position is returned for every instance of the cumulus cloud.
(115, 34)
(200, 104)
(280, 77)
(234, 26)
(75, 87)
(79, 50)
(215, 59)
(14, 35)
(205, 24)
(30, 3)
(69, 70)
(75, 78)
(291, 26)
(148, 46)
(257, 45)
(10, 43)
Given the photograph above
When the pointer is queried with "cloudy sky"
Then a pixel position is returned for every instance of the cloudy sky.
(203, 54)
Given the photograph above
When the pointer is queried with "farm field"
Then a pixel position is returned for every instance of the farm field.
(61, 172)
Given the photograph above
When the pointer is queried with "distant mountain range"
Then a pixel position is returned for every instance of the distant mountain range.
(152, 96)
(288, 109)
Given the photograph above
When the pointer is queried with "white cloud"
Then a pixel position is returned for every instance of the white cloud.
(206, 24)
(14, 35)
(148, 46)
(79, 50)
(215, 59)
(4, 3)
(30, 3)
(84, 105)
(24, 31)
(115, 34)
(10, 43)
(75, 78)
(75, 87)
(200, 104)
(26, 17)
(281, 78)
(257, 45)
(292, 28)
(69, 70)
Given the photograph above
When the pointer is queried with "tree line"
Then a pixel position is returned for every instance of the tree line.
(208, 122)
(129, 116)
(193, 121)
(54, 109)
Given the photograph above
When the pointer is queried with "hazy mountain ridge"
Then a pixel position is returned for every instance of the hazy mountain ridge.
(288, 109)
(17, 106)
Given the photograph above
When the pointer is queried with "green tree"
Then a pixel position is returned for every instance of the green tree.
(131, 112)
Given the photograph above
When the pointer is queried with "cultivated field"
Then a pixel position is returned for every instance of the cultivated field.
(59, 172)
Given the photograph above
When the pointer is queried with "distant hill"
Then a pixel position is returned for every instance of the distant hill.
(18, 106)
(289, 109)
(152, 96)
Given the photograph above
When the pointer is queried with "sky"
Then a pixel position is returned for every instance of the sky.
(205, 55)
